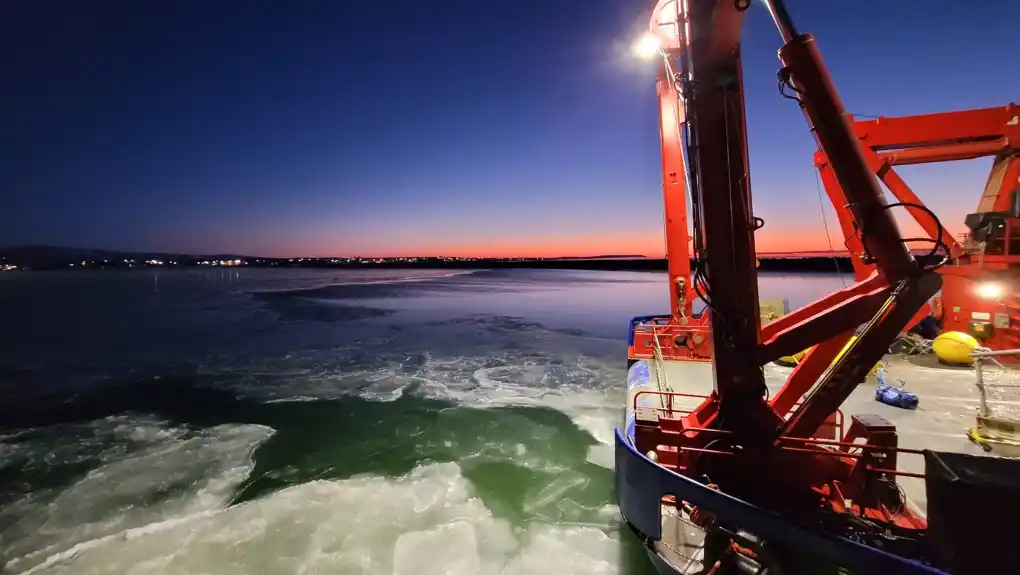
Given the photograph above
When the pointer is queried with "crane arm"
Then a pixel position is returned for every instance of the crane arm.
(962, 127)
(674, 193)
(927, 138)
(738, 441)
(700, 43)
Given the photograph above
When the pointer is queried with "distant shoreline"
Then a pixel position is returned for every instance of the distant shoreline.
(39, 258)
(801, 264)
(814, 264)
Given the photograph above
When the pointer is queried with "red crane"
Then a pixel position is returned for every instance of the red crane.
(743, 461)
(981, 279)
(700, 86)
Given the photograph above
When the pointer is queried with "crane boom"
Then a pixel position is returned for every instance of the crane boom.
(990, 254)
(739, 437)
(702, 71)
(779, 484)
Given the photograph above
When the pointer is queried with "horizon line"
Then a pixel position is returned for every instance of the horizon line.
(768, 254)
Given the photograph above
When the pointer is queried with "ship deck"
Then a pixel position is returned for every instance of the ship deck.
(948, 407)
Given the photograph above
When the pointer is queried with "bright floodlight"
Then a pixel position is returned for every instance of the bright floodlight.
(647, 47)
(989, 290)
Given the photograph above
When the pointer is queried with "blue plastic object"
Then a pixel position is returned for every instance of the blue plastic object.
(894, 396)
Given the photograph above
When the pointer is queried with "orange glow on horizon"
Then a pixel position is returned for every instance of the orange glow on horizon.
(650, 244)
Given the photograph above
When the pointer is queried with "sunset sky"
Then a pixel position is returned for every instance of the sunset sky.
(448, 127)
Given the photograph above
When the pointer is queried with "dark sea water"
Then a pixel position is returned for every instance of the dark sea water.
(311, 421)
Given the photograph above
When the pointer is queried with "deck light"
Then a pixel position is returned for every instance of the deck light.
(647, 46)
(989, 290)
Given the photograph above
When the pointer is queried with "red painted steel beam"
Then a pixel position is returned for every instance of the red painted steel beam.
(903, 193)
(717, 129)
(823, 319)
(709, 60)
(674, 193)
(900, 190)
(948, 136)
(944, 153)
(843, 376)
(928, 138)
(941, 128)
(880, 236)
(873, 284)
(807, 372)
(863, 266)
(835, 134)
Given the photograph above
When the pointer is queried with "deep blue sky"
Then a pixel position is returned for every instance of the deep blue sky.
(440, 126)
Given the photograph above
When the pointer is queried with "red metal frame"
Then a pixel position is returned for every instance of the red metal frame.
(927, 138)
(684, 336)
(947, 136)
(674, 192)
(701, 97)
(876, 457)
(676, 341)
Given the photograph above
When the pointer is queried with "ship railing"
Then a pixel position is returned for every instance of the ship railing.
(668, 398)
(998, 385)
(641, 484)
(677, 413)
(821, 446)
(660, 328)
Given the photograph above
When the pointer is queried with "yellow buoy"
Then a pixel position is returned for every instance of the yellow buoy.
(793, 360)
(954, 347)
